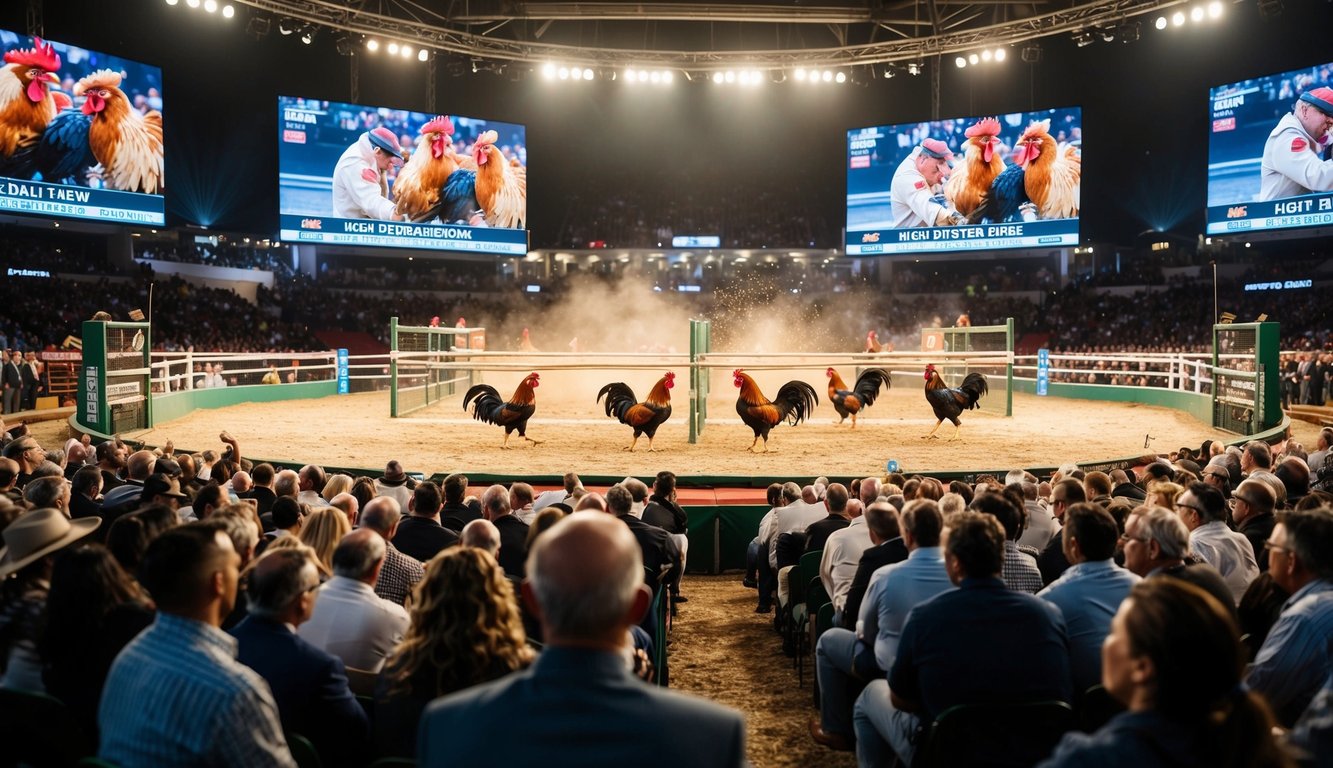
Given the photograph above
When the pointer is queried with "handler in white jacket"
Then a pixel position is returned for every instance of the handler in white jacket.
(360, 186)
(1292, 164)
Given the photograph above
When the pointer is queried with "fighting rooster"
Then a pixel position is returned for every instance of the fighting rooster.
(644, 417)
(950, 402)
(27, 105)
(127, 145)
(872, 343)
(431, 184)
(849, 402)
(980, 165)
(1043, 182)
(796, 400)
(512, 415)
(502, 187)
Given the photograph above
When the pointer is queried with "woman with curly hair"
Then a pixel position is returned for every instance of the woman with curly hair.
(465, 631)
(323, 529)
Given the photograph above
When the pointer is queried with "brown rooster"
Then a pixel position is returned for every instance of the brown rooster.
(127, 145)
(502, 187)
(644, 417)
(430, 185)
(512, 415)
(950, 402)
(980, 165)
(795, 401)
(27, 105)
(1042, 183)
(849, 402)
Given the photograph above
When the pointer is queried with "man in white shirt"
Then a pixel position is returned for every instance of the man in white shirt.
(843, 550)
(1203, 510)
(350, 621)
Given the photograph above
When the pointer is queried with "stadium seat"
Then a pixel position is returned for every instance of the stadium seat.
(1004, 735)
(303, 752)
(36, 729)
(1096, 707)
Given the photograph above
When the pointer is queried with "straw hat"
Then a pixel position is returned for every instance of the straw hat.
(38, 533)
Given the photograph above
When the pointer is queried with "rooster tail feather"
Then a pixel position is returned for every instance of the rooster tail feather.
(868, 384)
(488, 399)
(619, 399)
(795, 401)
(975, 387)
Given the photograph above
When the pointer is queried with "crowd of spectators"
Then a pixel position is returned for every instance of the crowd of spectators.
(277, 260)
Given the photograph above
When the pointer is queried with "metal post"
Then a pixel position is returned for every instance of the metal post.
(393, 366)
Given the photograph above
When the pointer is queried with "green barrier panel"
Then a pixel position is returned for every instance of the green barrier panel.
(702, 532)
(739, 524)
(177, 404)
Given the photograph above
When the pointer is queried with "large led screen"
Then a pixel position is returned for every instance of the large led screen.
(1268, 152)
(356, 175)
(80, 133)
(967, 184)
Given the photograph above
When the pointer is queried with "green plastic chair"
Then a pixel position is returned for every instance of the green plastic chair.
(1003, 735)
(303, 752)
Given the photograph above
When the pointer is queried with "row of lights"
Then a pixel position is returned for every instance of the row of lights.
(819, 76)
(397, 49)
(653, 76)
(986, 56)
(743, 77)
(210, 6)
(1197, 14)
(553, 71)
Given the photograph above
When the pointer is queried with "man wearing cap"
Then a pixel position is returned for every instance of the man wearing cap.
(1292, 164)
(916, 183)
(360, 186)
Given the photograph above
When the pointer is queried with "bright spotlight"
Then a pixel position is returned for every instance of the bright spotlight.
(228, 11)
(1215, 10)
(211, 6)
(629, 75)
(730, 76)
(192, 3)
(800, 74)
(974, 59)
(1000, 54)
(406, 51)
(667, 77)
(643, 75)
(826, 76)
(841, 77)
(587, 74)
(986, 55)
(655, 77)
(172, 2)
(308, 35)
(960, 61)
(1177, 19)
(548, 71)
(393, 48)
(718, 77)
(1160, 23)
(564, 73)
(423, 55)
(1196, 14)
(372, 45)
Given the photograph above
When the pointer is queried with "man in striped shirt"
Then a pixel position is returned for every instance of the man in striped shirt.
(176, 696)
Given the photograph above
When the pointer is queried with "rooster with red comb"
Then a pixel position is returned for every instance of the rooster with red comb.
(27, 105)
(502, 185)
(432, 185)
(128, 145)
(981, 163)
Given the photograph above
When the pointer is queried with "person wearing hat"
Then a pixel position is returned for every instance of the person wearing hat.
(162, 489)
(360, 179)
(1293, 163)
(31, 542)
(916, 183)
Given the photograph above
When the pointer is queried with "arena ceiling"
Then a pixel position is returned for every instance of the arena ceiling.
(705, 37)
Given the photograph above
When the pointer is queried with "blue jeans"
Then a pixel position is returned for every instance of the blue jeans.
(882, 730)
(838, 684)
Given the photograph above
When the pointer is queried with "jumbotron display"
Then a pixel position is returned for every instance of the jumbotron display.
(979, 183)
(80, 133)
(356, 175)
(1269, 165)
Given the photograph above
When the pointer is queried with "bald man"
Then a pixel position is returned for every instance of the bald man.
(579, 704)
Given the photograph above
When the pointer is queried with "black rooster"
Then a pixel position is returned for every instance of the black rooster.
(950, 402)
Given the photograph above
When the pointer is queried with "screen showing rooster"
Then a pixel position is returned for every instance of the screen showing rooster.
(80, 132)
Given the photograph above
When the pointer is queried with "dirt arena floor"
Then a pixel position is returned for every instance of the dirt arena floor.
(356, 431)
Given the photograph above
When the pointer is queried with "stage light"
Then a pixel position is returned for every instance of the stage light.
(172, 2)
(1031, 54)
(1108, 34)
(1196, 14)
(914, 68)
(668, 77)
(210, 6)
(841, 77)
(423, 55)
(393, 49)
(192, 3)
(718, 77)
(730, 76)
(1083, 38)
(372, 45)
(342, 43)
(960, 61)
(973, 59)
(308, 35)
(587, 74)
(643, 75)
(826, 76)
(628, 76)
(259, 27)
(563, 73)
(986, 55)
(799, 74)
(888, 73)
(406, 51)
(548, 71)
(1215, 10)
(228, 11)
(1160, 23)
(285, 26)
(1000, 55)
(1129, 32)
(655, 76)
(1177, 19)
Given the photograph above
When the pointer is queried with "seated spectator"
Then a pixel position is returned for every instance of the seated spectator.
(1051, 561)
(1296, 657)
(458, 510)
(420, 534)
(1174, 660)
(1204, 512)
(31, 544)
(482, 534)
(1156, 543)
(400, 573)
(395, 482)
(1252, 511)
(579, 701)
(843, 550)
(363, 488)
(938, 666)
(513, 532)
(93, 610)
(176, 696)
(85, 488)
(310, 481)
(520, 501)
(322, 531)
(261, 490)
(335, 485)
(465, 630)
(309, 685)
(1020, 571)
(350, 621)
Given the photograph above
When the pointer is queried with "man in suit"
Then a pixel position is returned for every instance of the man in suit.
(32, 379)
(309, 685)
(513, 532)
(420, 534)
(12, 379)
(579, 704)
(658, 551)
